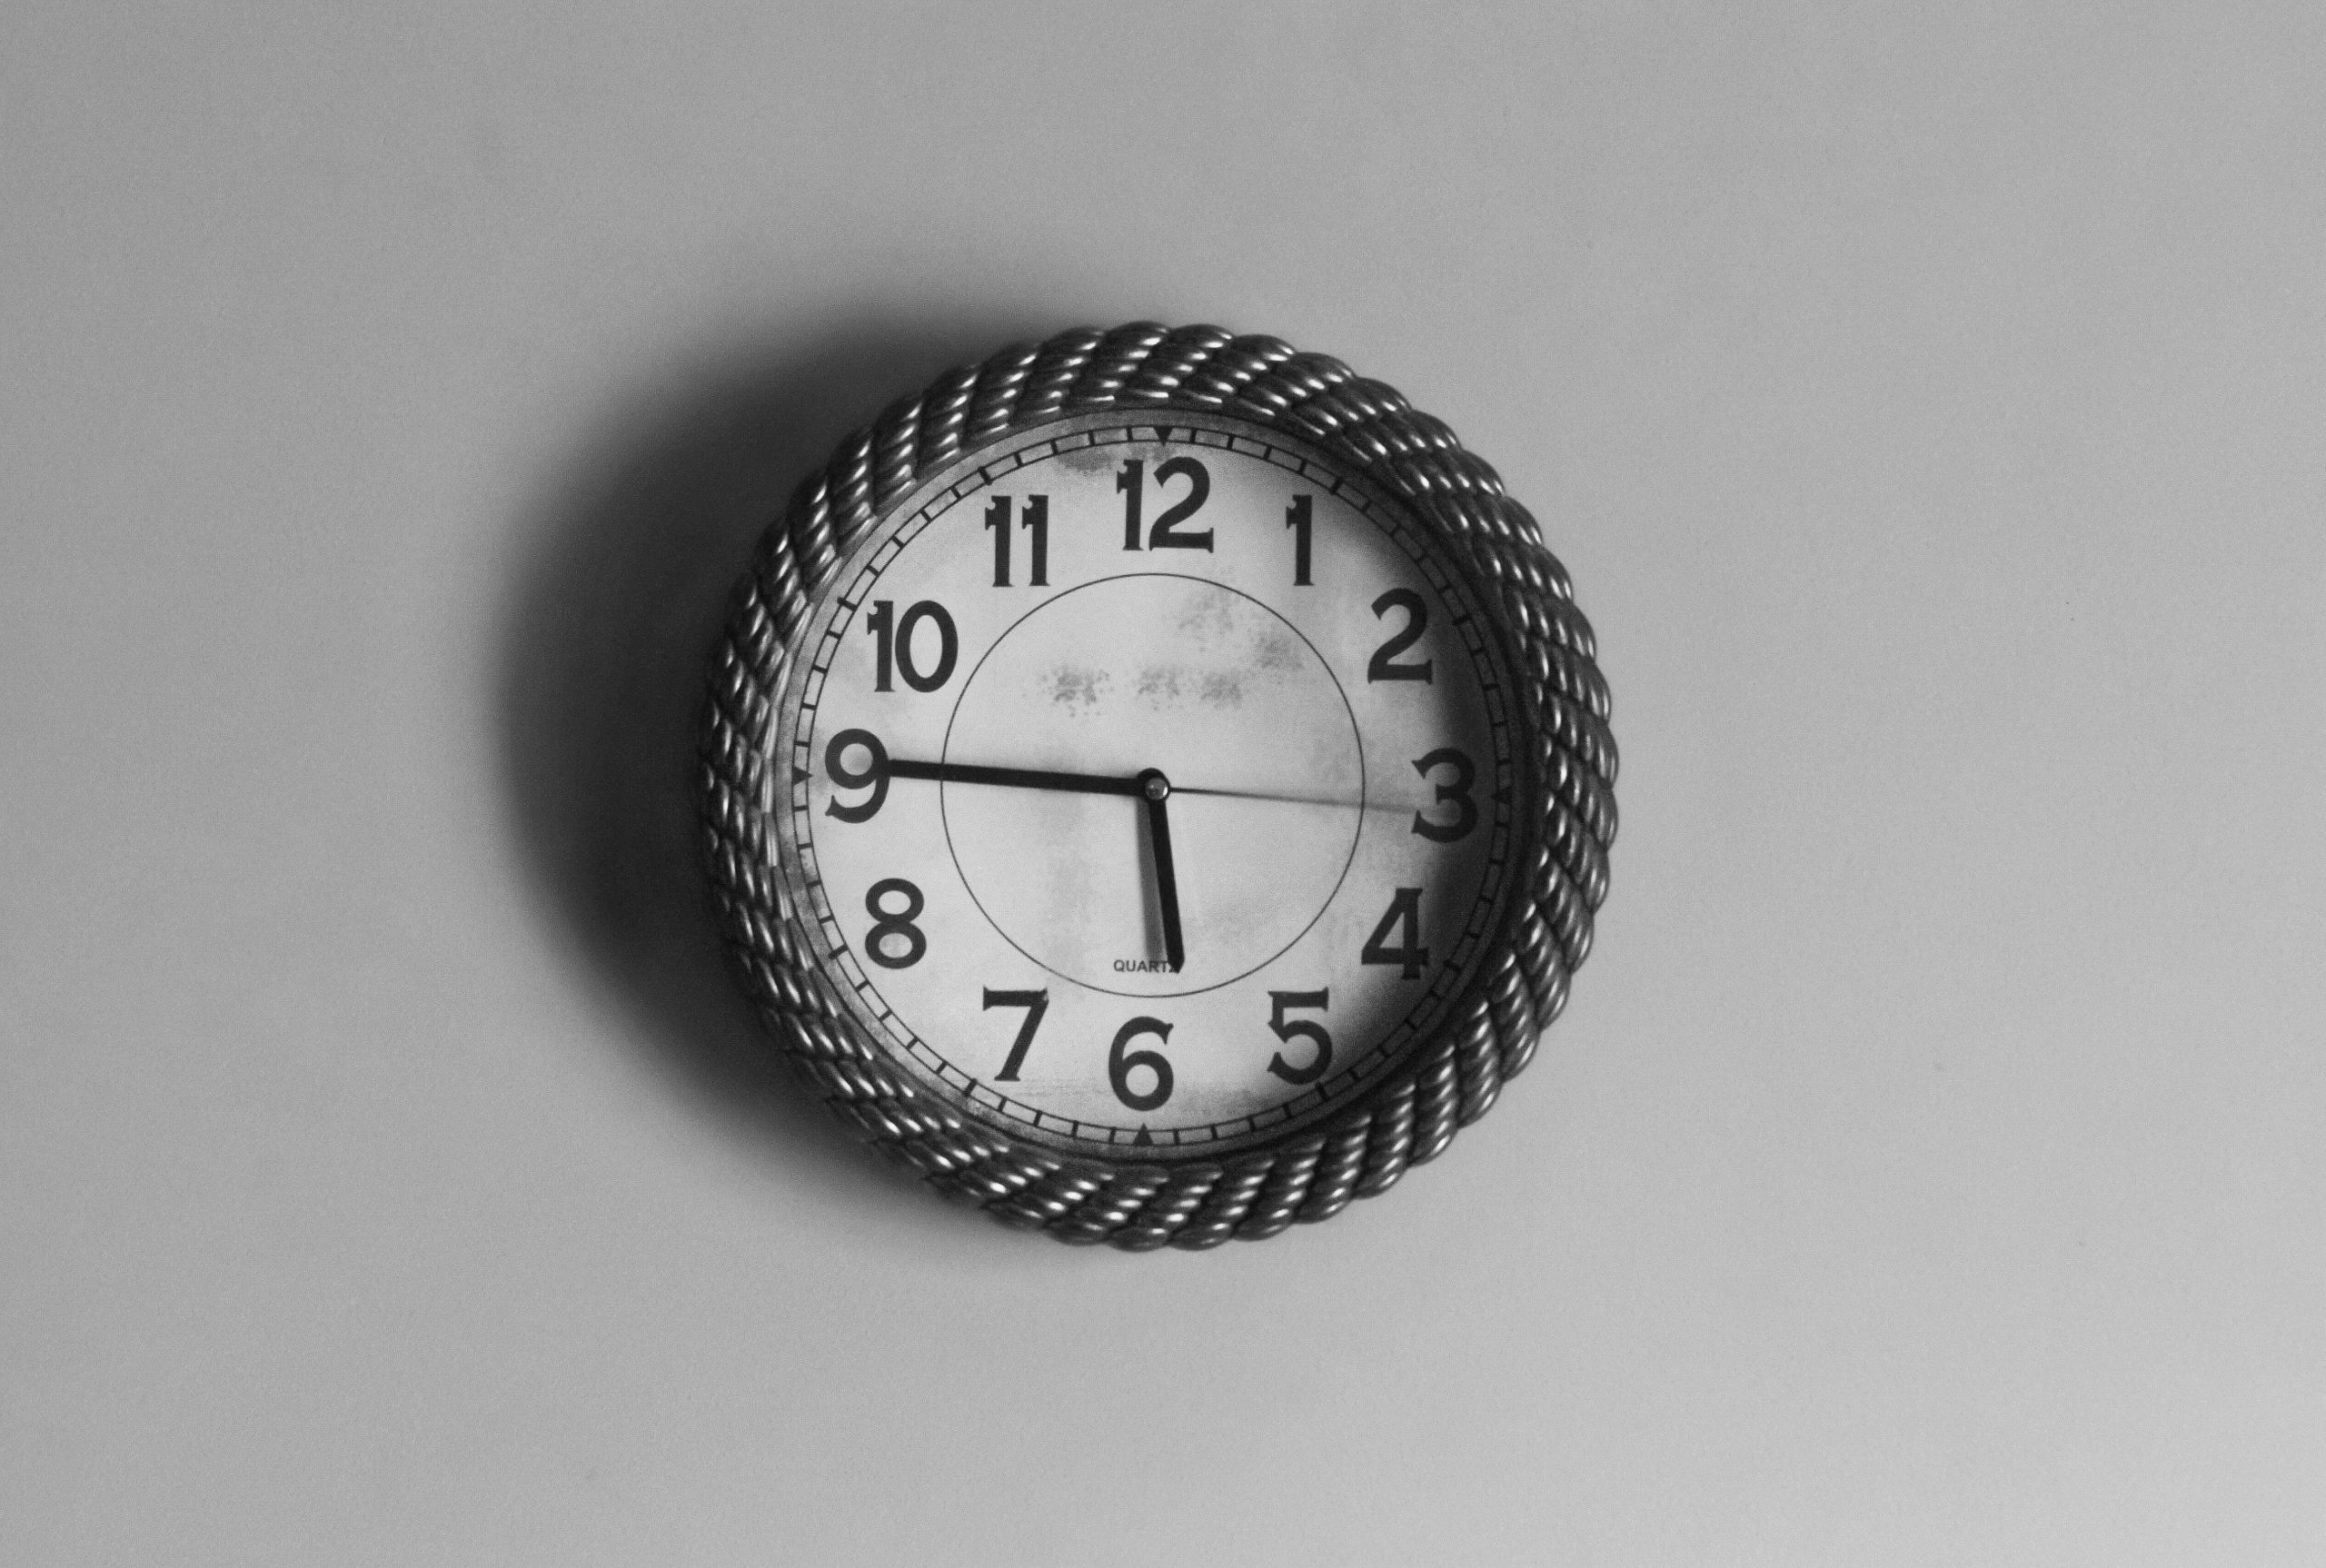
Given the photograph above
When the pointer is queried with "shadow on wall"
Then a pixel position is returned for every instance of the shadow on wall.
(608, 631)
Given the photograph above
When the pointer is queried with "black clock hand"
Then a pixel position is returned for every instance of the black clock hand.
(1157, 790)
(1150, 785)
(1016, 778)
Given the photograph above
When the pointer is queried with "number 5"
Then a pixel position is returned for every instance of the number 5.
(1300, 1029)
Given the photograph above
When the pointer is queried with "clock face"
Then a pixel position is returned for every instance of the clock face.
(1146, 784)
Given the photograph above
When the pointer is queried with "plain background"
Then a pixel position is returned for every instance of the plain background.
(1931, 1167)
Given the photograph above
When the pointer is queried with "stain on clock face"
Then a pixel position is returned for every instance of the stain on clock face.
(1148, 782)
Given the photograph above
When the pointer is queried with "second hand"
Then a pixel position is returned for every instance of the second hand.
(1103, 784)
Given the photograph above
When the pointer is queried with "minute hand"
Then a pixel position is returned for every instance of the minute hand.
(1016, 778)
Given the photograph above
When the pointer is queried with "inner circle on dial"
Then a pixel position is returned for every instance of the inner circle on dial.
(1215, 690)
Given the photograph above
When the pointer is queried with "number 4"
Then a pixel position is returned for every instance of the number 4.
(1409, 954)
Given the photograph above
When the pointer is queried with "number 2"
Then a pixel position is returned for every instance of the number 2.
(1383, 665)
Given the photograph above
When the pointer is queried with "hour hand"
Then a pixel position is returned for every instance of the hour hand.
(1156, 788)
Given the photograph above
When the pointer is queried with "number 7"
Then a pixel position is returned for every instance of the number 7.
(1036, 1004)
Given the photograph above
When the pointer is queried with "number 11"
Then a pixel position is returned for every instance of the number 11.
(1036, 520)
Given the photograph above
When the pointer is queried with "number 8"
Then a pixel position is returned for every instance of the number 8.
(900, 924)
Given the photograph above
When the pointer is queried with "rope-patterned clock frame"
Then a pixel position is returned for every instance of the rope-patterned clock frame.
(1446, 1082)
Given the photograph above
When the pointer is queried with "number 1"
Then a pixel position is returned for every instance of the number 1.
(1131, 479)
(1297, 518)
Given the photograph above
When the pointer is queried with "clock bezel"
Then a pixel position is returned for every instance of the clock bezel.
(1564, 822)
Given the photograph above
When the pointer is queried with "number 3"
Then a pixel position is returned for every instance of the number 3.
(1465, 810)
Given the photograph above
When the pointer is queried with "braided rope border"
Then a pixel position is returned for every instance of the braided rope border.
(1449, 1081)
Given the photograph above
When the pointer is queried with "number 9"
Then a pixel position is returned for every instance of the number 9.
(848, 777)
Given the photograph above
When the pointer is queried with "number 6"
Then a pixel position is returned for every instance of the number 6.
(1119, 1064)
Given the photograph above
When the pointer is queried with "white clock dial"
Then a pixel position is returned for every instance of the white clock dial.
(1148, 781)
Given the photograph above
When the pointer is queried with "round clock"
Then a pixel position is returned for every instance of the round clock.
(1157, 785)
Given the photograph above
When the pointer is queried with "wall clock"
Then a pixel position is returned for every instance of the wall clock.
(1157, 785)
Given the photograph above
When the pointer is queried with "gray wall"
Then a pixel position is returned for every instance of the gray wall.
(1927, 400)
